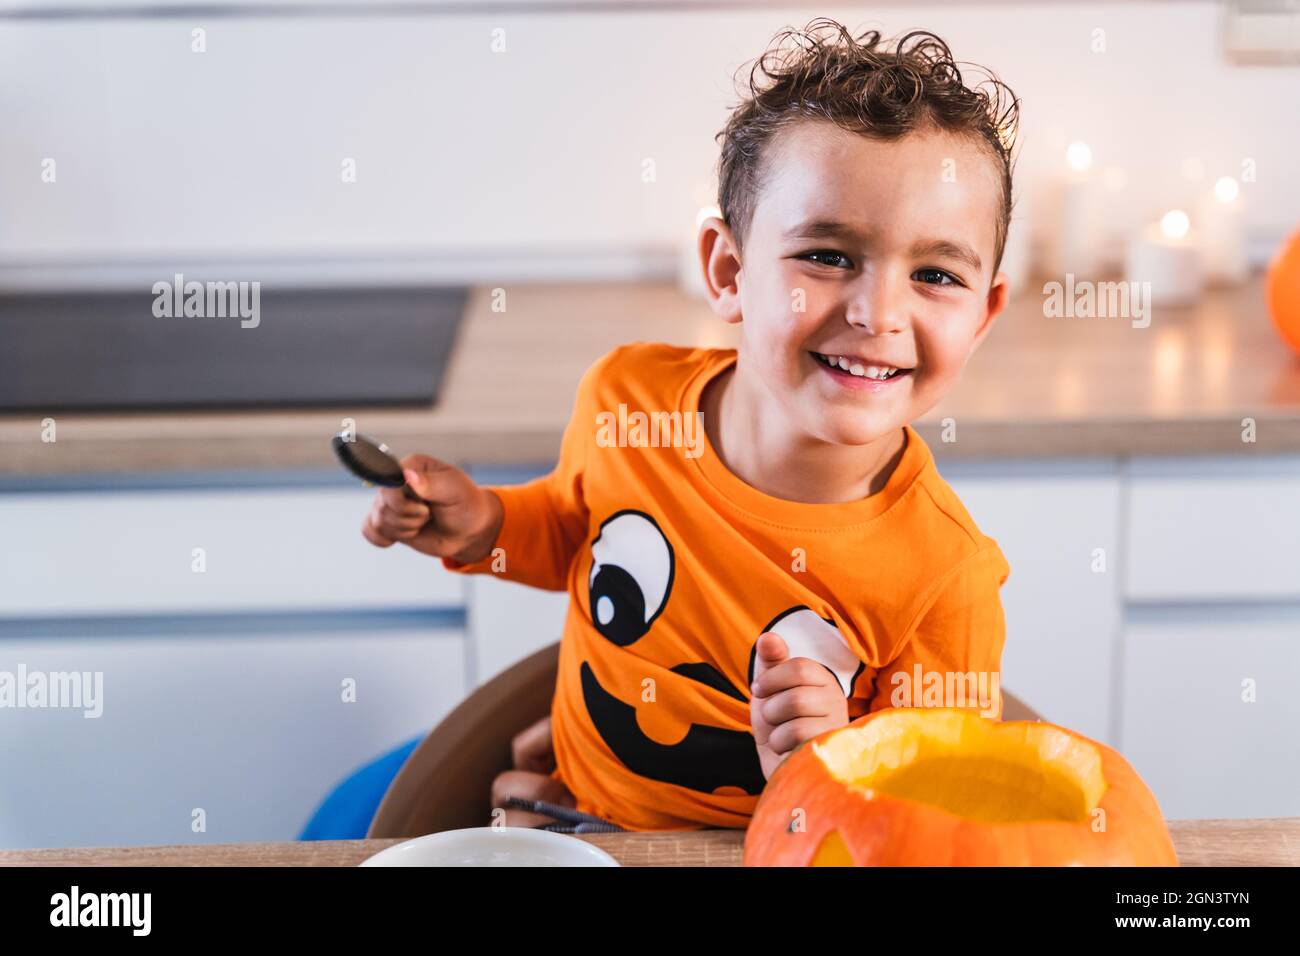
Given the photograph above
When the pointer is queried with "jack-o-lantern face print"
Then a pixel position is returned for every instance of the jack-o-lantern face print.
(629, 587)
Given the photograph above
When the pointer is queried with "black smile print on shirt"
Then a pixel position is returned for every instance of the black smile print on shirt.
(705, 759)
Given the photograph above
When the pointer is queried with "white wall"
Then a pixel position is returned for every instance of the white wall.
(475, 165)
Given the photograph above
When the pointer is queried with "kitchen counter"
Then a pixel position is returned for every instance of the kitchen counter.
(1039, 387)
(1198, 843)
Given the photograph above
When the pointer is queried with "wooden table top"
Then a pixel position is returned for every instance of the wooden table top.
(1198, 842)
(1038, 387)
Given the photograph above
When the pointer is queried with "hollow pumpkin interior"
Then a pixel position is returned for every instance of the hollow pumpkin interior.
(976, 768)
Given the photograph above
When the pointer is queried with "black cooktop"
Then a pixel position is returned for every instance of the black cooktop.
(281, 347)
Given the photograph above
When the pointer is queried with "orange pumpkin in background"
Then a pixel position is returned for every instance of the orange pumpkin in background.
(1284, 291)
(947, 787)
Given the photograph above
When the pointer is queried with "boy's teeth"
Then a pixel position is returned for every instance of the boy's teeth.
(877, 372)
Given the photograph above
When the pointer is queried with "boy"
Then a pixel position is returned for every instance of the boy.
(799, 565)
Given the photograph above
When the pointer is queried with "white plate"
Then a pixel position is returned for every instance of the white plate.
(493, 846)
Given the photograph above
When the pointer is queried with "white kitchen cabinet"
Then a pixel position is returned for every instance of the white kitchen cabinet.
(1141, 595)
(1213, 529)
(1058, 525)
(185, 550)
(509, 621)
(222, 669)
(1189, 730)
(250, 727)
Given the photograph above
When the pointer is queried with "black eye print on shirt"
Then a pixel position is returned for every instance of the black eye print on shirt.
(632, 568)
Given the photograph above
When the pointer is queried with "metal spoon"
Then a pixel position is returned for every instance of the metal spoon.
(372, 462)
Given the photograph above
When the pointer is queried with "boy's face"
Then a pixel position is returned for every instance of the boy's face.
(871, 254)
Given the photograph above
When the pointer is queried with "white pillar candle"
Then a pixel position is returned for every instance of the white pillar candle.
(1221, 234)
(690, 268)
(1075, 244)
(1166, 256)
(1016, 254)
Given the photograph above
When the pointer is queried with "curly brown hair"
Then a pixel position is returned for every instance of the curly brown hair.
(880, 89)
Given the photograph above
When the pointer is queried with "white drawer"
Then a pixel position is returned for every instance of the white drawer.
(1214, 531)
(250, 727)
(69, 553)
(1204, 751)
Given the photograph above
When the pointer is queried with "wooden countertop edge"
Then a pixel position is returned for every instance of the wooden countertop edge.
(500, 446)
(1257, 842)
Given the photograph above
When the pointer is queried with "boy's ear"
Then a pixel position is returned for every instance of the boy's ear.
(994, 303)
(721, 263)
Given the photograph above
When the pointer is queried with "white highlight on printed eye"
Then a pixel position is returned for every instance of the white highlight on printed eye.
(604, 609)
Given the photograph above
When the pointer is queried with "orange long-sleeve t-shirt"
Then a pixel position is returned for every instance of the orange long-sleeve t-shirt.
(674, 567)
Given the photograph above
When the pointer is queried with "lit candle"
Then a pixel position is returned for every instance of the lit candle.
(1075, 248)
(1167, 257)
(1221, 236)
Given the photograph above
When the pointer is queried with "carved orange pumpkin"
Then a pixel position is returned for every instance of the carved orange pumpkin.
(947, 787)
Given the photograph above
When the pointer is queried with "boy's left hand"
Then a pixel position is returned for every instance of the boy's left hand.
(792, 700)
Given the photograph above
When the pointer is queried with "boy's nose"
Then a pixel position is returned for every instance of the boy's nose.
(878, 308)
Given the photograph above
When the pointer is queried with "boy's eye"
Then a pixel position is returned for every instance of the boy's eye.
(935, 277)
(823, 254)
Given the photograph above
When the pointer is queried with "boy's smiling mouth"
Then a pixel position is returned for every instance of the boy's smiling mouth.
(851, 369)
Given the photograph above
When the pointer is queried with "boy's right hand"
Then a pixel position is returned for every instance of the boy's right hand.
(533, 753)
(460, 520)
(533, 748)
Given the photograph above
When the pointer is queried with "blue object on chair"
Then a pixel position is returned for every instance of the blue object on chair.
(346, 813)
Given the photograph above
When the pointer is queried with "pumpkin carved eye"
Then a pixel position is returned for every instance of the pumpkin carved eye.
(631, 576)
